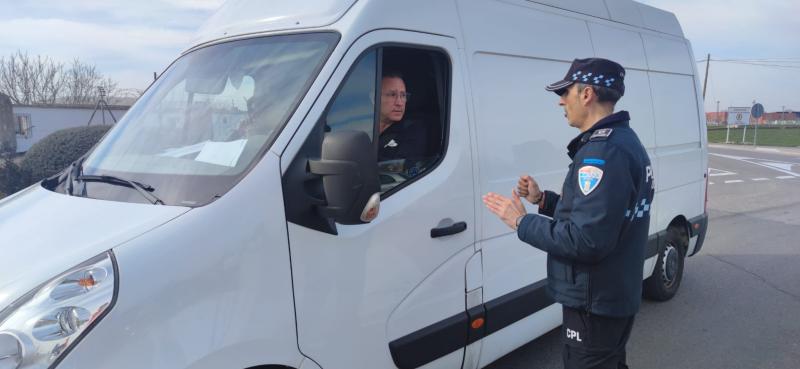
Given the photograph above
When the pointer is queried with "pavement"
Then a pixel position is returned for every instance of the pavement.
(739, 301)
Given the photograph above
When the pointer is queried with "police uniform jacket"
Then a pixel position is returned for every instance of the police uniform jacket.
(595, 233)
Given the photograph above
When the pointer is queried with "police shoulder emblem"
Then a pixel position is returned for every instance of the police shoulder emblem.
(602, 133)
(589, 178)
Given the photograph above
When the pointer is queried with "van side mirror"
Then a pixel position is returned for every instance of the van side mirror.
(349, 171)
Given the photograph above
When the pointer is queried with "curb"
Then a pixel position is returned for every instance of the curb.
(793, 151)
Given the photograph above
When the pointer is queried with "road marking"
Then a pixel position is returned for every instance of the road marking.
(714, 172)
(767, 149)
(778, 166)
(761, 179)
(711, 183)
(734, 181)
(785, 177)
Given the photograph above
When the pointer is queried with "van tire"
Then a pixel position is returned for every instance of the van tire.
(663, 284)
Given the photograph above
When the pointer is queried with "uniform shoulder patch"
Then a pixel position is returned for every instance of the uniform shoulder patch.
(602, 133)
(589, 178)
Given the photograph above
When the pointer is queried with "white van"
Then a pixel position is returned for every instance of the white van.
(228, 221)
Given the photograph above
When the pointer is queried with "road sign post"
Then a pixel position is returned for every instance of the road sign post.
(727, 134)
(744, 133)
(738, 116)
(756, 112)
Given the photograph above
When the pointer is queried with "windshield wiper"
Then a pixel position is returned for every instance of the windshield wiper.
(74, 170)
(139, 187)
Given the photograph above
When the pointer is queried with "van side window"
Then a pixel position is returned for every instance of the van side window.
(399, 95)
(412, 114)
(354, 105)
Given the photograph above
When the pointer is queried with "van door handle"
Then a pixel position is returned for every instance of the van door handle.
(449, 230)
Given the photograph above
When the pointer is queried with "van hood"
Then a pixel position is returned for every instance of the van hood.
(43, 233)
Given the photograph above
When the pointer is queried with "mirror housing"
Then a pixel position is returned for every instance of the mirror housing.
(349, 171)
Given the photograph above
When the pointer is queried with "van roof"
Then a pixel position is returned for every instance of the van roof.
(242, 17)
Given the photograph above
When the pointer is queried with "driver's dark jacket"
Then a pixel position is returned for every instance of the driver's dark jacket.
(595, 242)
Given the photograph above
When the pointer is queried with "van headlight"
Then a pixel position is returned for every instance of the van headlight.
(41, 326)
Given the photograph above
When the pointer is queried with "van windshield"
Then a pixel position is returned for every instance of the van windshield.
(207, 119)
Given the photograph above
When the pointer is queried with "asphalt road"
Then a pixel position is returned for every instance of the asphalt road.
(739, 302)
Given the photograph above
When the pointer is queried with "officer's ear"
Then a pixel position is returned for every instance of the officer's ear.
(587, 95)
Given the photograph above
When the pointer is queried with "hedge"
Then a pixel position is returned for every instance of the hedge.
(12, 178)
(56, 151)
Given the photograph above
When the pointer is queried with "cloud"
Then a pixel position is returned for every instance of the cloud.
(110, 48)
(166, 13)
(742, 30)
(734, 29)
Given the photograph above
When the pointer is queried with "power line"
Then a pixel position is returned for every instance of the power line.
(762, 64)
(768, 63)
(791, 59)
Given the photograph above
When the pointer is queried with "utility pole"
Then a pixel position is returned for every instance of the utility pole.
(783, 114)
(717, 116)
(705, 82)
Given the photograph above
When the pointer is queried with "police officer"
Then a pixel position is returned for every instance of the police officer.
(595, 232)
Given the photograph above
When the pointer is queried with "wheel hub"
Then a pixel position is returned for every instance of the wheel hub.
(669, 267)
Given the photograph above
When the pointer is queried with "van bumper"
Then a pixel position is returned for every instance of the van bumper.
(698, 227)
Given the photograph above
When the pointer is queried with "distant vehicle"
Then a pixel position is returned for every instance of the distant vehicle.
(236, 217)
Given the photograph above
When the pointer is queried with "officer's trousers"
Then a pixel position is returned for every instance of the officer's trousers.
(593, 341)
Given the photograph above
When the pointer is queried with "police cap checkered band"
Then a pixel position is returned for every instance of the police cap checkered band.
(592, 71)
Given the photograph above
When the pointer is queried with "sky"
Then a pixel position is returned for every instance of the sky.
(129, 40)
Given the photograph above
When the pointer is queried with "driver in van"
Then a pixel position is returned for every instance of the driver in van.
(596, 231)
(402, 142)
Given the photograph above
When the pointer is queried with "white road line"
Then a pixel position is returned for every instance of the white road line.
(785, 177)
(714, 172)
(779, 165)
(710, 183)
(751, 161)
(734, 181)
(761, 179)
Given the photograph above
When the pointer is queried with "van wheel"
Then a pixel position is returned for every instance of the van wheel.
(666, 278)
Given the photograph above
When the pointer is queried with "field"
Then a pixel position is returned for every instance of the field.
(767, 136)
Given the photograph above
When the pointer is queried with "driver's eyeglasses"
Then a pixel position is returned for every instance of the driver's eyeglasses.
(394, 95)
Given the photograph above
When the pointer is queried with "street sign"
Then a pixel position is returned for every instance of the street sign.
(738, 116)
(757, 111)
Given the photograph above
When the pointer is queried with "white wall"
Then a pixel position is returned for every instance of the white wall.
(48, 119)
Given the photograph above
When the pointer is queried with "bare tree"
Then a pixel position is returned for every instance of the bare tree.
(82, 82)
(30, 80)
(40, 80)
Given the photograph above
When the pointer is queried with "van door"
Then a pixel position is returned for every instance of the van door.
(390, 293)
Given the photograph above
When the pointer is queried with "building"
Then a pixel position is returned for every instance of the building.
(779, 117)
(34, 122)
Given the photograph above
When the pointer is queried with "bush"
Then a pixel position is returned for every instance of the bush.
(56, 151)
(12, 178)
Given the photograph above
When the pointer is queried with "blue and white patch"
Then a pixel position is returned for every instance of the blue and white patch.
(589, 178)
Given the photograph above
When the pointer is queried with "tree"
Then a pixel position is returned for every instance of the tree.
(41, 80)
(30, 80)
(81, 82)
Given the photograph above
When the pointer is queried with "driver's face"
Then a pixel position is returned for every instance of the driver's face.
(393, 99)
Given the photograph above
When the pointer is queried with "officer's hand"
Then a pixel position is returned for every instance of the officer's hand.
(508, 210)
(529, 189)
